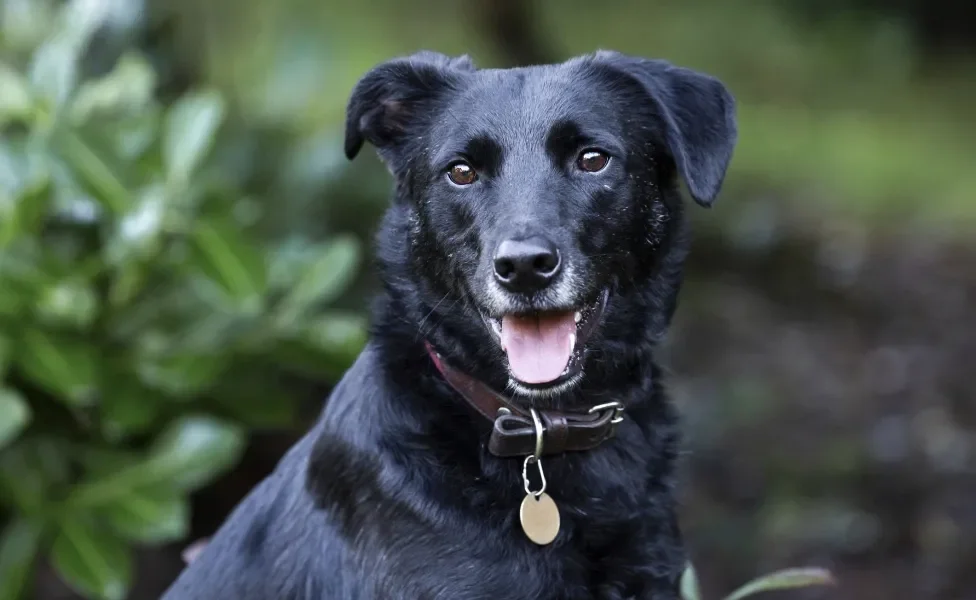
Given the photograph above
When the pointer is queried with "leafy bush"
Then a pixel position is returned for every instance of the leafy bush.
(145, 324)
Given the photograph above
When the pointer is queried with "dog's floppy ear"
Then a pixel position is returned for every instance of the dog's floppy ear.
(698, 114)
(389, 96)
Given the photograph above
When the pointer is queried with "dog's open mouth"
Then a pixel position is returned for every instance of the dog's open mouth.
(546, 348)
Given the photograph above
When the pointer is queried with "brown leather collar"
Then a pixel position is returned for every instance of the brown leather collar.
(514, 430)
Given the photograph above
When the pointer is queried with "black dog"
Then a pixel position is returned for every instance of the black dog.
(531, 259)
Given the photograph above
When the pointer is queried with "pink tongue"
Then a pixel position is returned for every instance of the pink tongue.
(539, 347)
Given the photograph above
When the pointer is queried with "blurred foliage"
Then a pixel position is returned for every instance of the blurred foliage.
(848, 113)
(146, 323)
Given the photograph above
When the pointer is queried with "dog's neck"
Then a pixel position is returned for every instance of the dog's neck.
(519, 432)
(432, 430)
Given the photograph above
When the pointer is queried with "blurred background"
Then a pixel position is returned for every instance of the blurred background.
(185, 270)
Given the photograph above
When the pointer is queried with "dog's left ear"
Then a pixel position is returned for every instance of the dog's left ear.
(394, 95)
(698, 114)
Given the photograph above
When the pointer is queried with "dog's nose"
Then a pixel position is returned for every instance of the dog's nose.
(526, 266)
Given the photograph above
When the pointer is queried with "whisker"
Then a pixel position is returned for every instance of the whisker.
(427, 316)
(421, 330)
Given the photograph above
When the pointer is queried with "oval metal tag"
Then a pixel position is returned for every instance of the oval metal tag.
(540, 518)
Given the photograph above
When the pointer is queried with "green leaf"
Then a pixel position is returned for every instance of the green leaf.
(30, 469)
(21, 274)
(127, 281)
(34, 204)
(101, 461)
(15, 415)
(189, 453)
(182, 375)
(25, 214)
(138, 234)
(127, 88)
(15, 96)
(189, 132)
(135, 134)
(19, 545)
(97, 169)
(91, 561)
(13, 165)
(127, 408)
(212, 331)
(689, 584)
(6, 348)
(232, 261)
(62, 366)
(783, 580)
(193, 450)
(12, 305)
(69, 302)
(149, 517)
(54, 69)
(324, 348)
(325, 279)
(23, 25)
(339, 334)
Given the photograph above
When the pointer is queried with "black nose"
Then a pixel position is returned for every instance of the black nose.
(526, 266)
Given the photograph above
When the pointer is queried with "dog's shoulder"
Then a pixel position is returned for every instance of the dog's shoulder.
(279, 542)
(270, 545)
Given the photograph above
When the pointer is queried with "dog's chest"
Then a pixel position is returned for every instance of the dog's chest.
(477, 564)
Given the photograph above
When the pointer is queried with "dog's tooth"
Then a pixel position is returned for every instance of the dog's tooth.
(578, 316)
(572, 342)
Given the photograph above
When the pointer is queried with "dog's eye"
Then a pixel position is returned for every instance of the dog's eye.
(461, 173)
(592, 161)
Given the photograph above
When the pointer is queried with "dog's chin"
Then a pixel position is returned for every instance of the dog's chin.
(587, 318)
(564, 384)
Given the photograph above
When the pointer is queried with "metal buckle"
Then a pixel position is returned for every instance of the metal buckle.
(618, 411)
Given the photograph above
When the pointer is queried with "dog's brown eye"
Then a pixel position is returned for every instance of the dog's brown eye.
(462, 174)
(592, 161)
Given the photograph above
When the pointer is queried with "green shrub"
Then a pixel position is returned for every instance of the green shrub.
(145, 325)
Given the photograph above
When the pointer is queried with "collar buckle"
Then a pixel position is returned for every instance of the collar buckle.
(618, 410)
(616, 419)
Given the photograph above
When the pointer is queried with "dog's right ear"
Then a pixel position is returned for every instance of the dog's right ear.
(393, 95)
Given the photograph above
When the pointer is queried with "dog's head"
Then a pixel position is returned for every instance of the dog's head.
(538, 206)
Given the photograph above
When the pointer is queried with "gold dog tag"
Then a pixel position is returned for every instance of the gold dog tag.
(540, 518)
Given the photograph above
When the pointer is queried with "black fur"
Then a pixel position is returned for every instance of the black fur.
(393, 494)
